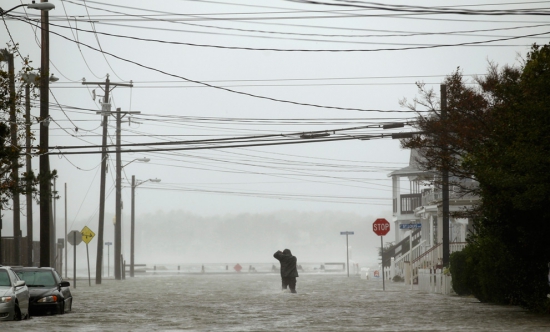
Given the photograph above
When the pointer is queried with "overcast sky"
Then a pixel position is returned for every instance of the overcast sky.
(242, 68)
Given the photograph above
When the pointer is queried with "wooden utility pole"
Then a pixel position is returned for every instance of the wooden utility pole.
(445, 179)
(7, 56)
(132, 226)
(28, 169)
(65, 234)
(119, 274)
(45, 204)
(118, 223)
(106, 107)
(106, 111)
(15, 160)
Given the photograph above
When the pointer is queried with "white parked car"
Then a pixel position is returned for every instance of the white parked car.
(14, 296)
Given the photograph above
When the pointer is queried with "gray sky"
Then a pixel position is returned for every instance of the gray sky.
(348, 175)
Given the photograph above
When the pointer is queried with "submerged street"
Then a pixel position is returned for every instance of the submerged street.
(254, 302)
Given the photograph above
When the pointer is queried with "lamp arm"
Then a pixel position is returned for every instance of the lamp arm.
(139, 182)
(128, 163)
(2, 12)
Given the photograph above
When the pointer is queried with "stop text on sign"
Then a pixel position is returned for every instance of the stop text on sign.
(381, 226)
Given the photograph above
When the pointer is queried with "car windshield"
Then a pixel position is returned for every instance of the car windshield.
(37, 278)
(4, 278)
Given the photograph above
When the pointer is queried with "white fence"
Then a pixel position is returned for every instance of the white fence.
(425, 262)
(434, 281)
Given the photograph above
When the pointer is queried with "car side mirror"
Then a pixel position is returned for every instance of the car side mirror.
(64, 284)
(20, 283)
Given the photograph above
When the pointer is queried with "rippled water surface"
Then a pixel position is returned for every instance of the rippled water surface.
(254, 302)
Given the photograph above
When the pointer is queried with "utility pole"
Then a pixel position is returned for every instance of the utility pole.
(132, 226)
(28, 169)
(106, 111)
(445, 179)
(15, 160)
(118, 204)
(45, 207)
(118, 222)
(65, 236)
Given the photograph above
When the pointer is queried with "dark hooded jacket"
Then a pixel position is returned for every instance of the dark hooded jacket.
(288, 263)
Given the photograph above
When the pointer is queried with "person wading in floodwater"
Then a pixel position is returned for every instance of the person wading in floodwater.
(289, 273)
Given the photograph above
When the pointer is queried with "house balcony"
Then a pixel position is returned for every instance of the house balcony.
(433, 197)
(409, 202)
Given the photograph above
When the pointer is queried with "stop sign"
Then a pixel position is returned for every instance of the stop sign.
(381, 226)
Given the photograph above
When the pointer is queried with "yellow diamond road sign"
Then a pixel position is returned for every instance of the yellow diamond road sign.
(87, 234)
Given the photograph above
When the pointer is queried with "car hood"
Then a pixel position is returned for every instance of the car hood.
(6, 291)
(41, 292)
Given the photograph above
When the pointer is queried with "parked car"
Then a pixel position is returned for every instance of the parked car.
(48, 293)
(14, 296)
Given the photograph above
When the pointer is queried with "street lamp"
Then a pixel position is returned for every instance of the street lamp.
(118, 214)
(30, 79)
(143, 160)
(132, 232)
(44, 167)
(44, 6)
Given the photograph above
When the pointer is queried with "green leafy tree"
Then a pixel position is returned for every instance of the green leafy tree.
(498, 133)
(10, 151)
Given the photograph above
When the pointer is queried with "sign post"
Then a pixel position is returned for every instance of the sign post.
(87, 236)
(74, 238)
(347, 247)
(381, 227)
(108, 244)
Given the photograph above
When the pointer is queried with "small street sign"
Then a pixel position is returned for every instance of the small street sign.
(381, 226)
(108, 243)
(87, 234)
(346, 233)
(410, 226)
(74, 235)
(238, 267)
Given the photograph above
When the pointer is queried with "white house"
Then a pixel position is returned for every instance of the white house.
(417, 220)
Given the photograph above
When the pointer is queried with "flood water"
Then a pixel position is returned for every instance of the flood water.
(255, 302)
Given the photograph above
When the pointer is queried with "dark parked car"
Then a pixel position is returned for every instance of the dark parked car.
(48, 293)
(14, 296)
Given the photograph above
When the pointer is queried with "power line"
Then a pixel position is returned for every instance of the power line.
(276, 32)
(226, 89)
(426, 10)
(413, 47)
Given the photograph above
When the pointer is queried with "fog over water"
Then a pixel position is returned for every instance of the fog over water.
(179, 238)
(255, 302)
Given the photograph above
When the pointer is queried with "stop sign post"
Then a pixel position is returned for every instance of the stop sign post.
(74, 238)
(381, 227)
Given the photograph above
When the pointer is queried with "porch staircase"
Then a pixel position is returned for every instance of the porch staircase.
(420, 257)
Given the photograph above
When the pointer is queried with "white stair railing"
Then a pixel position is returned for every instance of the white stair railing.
(399, 263)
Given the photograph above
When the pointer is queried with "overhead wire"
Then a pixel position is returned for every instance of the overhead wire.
(423, 9)
(225, 89)
(76, 38)
(241, 92)
(98, 43)
(277, 32)
(411, 46)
